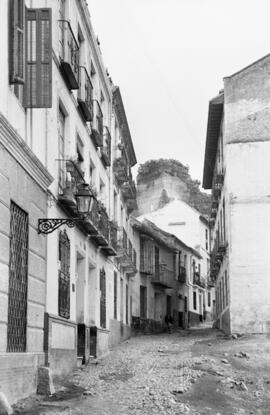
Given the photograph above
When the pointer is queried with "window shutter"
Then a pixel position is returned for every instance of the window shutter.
(38, 82)
(17, 42)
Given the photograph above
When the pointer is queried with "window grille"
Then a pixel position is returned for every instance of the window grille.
(102, 298)
(18, 280)
(126, 304)
(143, 301)
(64, 276)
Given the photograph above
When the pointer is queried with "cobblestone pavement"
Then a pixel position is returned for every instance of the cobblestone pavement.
(187, 372)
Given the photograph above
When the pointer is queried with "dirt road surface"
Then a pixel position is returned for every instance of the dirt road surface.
(197, 371)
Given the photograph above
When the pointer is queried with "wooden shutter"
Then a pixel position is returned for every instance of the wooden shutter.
(17, 42)
(38, 82)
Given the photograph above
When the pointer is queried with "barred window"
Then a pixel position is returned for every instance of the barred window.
(64, 275)
(18, 280)
(127, 304)
(102, 285)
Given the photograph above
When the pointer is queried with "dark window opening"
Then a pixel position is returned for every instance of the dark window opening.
(18, 280)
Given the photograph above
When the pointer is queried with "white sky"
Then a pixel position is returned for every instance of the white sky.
(169, 58)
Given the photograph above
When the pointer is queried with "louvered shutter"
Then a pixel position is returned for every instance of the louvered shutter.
(17, 42)
(38, 82)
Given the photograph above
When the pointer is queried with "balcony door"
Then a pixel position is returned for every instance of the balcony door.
(156, 262)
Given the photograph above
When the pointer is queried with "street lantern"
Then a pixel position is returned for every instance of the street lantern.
(84, 198)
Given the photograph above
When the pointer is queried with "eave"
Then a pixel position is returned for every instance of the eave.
(215, 113)
(120, 110)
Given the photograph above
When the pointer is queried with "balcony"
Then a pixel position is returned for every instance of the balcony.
(69, 177)
(182, 276)
(128, 189)
(85, 95)
(197, 280)
(97, 125)
(163, 277)
(111, 248)
(120, 170)
(106, 148)
(69, 55)
(217, 256)
(125, 253)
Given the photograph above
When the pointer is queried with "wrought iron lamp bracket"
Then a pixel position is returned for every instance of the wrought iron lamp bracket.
(49, 225)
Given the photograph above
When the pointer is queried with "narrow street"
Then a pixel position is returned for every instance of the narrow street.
(197, 371)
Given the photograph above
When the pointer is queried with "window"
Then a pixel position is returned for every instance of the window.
(30, 61)
(224, 226)
(127, 304)
(194, 300)
(18, 280)
(134, 258)
(156, 262)
(220, 296)
(226, 289)
(93, 71)
(102, 281)
(143, 301)
(92, 173)
(186, 304)
(38, 71)
(199, 270)
(61, 150)
(115, 203)
(64, 275)
(209, 299)
(102, 191)
(206, 240)
(115, 295)
(80, 153)
(17, 35)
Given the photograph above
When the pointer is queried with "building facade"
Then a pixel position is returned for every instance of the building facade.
(167, 281)
(65, 291)
(236, 169)
(193, 229)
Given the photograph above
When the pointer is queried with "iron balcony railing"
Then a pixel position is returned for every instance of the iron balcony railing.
(128, 189)
(85, 95)
(97, 125)
(69, 177)
(113, 235)
(197, 280)
(103, 223)
(69, 54)
(163, 276)
(106, 148)
(125, 252)
(120, 169)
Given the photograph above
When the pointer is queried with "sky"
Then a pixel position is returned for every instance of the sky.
(169, 58)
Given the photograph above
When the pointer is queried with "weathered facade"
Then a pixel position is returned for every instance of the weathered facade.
(64, 285)
(189, 226)
(167, 281)
(236, 169)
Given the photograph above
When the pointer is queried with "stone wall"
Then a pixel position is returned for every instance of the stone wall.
(23, 180)
(60, 344)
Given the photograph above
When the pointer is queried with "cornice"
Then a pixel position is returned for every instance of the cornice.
(19, 150)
